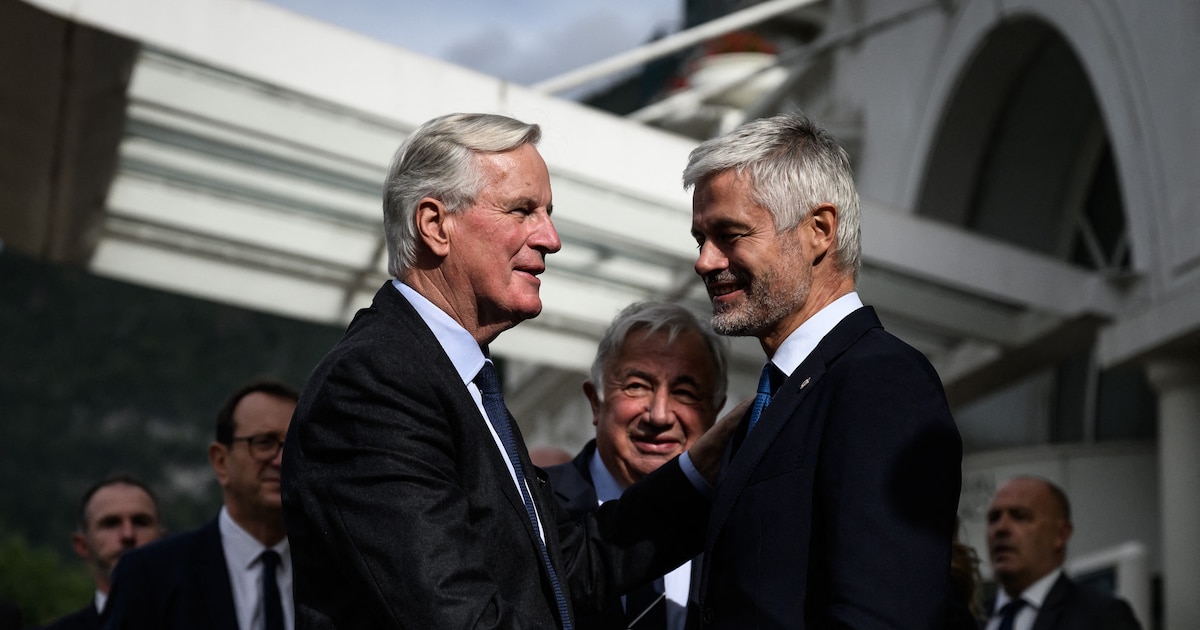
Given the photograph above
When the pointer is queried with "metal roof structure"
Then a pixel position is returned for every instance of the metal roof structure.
(251, 145)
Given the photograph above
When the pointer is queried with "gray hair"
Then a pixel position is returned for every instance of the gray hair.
(438, 161)
(650, 317)
(793, 165)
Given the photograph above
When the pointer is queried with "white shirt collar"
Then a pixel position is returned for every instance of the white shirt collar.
(459, 345)
(466, 356)
(244, 565)
(1034, 595)
(241, 549)
(798, 345)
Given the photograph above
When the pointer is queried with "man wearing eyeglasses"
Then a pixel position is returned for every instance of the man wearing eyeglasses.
(235, 571)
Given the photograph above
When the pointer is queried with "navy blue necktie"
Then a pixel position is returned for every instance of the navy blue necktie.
(272, 606)
(493, 402)
(1008, 614)
(762, 398)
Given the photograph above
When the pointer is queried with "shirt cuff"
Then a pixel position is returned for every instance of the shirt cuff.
(698, 482)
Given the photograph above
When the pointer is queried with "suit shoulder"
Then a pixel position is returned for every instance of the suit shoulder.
(169, 552)
(85, 618)
(1103, 606)
(560, 473)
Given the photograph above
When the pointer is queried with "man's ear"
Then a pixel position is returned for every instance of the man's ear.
(1065, 529)
(217, 453)
(432, 226)
(822, 229)
(79, 544)
(593, 397)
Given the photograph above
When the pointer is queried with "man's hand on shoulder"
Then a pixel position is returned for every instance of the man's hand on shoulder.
(707, 450)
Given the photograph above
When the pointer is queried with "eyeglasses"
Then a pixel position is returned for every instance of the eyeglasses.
(263, 447)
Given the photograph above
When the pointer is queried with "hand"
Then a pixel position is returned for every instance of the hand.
(707, 450)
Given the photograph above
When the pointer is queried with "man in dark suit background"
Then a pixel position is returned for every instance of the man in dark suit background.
(1029, 524)
(837, 508)
(656, 385)
(410, 498)
(116, 514)
(236, 571)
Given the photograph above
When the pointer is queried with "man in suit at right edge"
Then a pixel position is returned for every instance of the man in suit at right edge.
(1029, 523)
(837, 507)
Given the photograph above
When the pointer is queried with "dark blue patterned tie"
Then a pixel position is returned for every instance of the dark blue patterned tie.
(762, 398)
(272, 608)
(493, 402)
(1008, 614)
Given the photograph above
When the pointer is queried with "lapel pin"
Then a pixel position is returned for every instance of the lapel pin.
(805, 383)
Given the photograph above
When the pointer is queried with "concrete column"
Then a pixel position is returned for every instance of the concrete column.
(1178, 384)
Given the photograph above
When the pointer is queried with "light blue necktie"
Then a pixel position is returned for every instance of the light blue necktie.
(493, 402)
(762, 398)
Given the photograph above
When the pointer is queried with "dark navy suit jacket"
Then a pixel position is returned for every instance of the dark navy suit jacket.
(1072, 606)
(85, 618)
(178, 583)
(573, 487)
(838, 508)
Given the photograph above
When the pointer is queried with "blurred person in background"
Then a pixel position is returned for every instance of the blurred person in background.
(236, 571)
(116, 514)
(1029, 524)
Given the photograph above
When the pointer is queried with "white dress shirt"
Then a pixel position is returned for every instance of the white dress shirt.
(1034, 596)
(798, 345)
(468, 359)
(242, 553)
(675, 583)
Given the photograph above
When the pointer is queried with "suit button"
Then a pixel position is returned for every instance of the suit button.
(706, 616)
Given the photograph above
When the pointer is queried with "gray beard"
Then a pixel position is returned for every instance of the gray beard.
(762, 310)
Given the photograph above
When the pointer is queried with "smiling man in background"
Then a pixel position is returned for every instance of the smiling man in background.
(656, 385)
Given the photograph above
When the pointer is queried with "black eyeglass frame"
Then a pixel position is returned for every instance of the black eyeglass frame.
(258, 443)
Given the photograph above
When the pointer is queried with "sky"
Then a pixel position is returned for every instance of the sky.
(523, 41)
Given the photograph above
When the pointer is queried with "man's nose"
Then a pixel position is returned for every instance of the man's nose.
(545, 237)
(659, 412)
(709, 259)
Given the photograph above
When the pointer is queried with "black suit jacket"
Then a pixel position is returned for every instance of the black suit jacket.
(10, 616)
(178, 583)
(401, 512)
(1072, 606)
(838, 508)
(85, 618)
(573, 486)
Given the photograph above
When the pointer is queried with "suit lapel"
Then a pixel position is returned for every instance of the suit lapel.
(393, 307)
(783, 410)
(572, 482)
(213, 579)
(1052, 606)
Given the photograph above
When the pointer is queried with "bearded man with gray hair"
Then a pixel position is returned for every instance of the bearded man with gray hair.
(838, 504)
